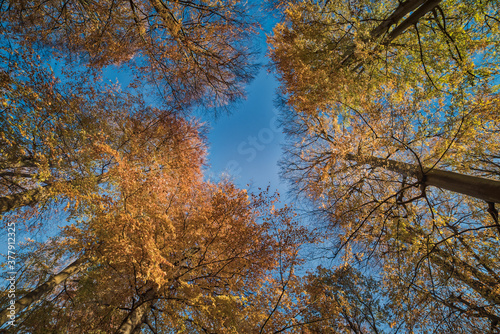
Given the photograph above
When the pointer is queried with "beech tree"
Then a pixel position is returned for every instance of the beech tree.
(188, 51)
(344, 300)
(393, 113)
(53, 130)
(302, 46)
(47, 134)
(150, 244)
(378, 206)
(327, 52)
(36, 146)
(167, 251)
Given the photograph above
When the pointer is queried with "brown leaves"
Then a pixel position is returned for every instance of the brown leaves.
(213, 245)
(156, 225)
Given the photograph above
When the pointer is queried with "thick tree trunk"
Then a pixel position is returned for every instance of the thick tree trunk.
(477, 187)
(419, 8)
(52, 282)
(137, 316)
(403, 9)
(412, 19)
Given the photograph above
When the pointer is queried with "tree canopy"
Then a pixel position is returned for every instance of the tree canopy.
(148, 243)
(391, 114)
(188, 51)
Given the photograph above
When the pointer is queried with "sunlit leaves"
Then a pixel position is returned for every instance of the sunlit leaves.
(188, 52)
(365, 92)
(337, 51)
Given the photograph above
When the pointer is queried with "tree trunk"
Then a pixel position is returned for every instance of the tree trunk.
(403, 9)
(485, 189)
(422, 7)
(412, 19)
(137, 316)
(36, 294)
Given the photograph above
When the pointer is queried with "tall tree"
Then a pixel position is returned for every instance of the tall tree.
(150, 141)
(189, 51)
(47, 132)
(53, 132)
(344, 300)
(387, 112)
(392, 210)
(160, 247)
(168, 252)
(328, 52)
(302, 46)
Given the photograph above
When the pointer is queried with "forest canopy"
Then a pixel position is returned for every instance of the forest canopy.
(390, 111)
(392, 114)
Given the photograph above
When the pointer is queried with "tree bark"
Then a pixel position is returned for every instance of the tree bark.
(36, 294)
(403, 9)
(422, 7)
(137, 316)
(427, 7)
(477, 187)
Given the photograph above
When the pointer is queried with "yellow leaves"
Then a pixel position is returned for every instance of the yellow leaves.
(293, 11)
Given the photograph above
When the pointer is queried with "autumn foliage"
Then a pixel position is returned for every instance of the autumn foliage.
(152, 242)
(188, 51)
(391, 114)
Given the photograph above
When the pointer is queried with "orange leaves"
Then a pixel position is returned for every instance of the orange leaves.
(157, 237)
(213, 244)
(192, 52)
(160, 222)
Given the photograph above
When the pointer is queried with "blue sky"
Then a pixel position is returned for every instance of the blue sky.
(246, 145)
